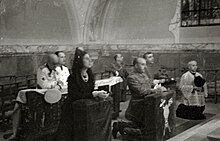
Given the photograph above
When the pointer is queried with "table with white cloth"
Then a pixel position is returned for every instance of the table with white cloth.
(111, 85)
(21, 97)
(107, 83)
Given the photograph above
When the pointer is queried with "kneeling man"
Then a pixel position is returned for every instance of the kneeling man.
(140, 86)
(194, 89)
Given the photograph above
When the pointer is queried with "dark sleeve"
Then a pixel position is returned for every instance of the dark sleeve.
(75, 93)
(123, 72)
(126, 72)
(156, 75)
(137, 89)
(111, 68)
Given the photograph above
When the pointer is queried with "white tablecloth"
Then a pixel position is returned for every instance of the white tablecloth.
(21, 97)
(109, 81)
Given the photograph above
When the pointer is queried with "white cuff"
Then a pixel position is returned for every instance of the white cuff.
(116, 73)
(94, 93)
(156, 82)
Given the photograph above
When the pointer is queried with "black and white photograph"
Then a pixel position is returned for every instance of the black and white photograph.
(109, 70)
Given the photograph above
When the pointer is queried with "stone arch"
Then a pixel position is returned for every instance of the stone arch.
(73, 17)
(174, 26)
(95, 21)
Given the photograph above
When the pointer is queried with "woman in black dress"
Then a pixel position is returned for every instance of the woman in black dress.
(80, 86)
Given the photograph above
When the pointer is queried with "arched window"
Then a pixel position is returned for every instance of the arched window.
(200, 12)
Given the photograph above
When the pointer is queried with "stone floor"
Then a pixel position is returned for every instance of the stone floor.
(211, 108)
(198, 132)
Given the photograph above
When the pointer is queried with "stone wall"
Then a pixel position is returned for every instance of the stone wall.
(20, 60)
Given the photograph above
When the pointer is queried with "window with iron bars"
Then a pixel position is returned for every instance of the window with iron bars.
(200, 12)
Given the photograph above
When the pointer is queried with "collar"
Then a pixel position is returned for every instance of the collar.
(118, 64)
(193, 73)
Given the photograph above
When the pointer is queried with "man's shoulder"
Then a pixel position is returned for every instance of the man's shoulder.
(133, 75)
(198, 74)
(185, 73)
(65, 68)
(114, 65)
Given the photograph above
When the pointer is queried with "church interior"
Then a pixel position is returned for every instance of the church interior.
(177, 32)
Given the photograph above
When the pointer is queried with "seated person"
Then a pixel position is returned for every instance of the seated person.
(194, 89)
(46, 79)
(140, 86)
(81, 85)
(118, 69)
(62, 71)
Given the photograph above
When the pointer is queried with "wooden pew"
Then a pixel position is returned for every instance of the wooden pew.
(156, 112)
(92, 120)
(40, 119)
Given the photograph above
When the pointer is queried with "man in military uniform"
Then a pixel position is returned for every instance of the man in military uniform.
(118, 69)
(47, 76)
(140, 86)
(62, 71)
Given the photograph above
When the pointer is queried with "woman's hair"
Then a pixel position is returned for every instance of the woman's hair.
(78, 65)
(78, 59)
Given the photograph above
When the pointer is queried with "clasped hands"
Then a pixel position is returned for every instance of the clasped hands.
(101, 94)
(159, 90)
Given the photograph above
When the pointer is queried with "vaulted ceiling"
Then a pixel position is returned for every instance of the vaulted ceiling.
(122, 20)
(87, 21)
